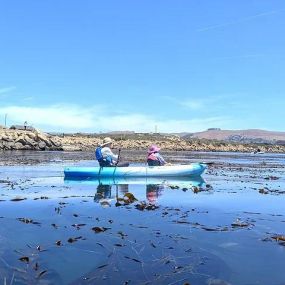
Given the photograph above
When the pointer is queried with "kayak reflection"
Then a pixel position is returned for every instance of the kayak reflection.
(179, 181)
(154, 187)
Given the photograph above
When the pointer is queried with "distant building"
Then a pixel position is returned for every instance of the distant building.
(214, 129)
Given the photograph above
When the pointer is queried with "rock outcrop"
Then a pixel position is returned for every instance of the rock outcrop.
(36, 140)
(28, 140)
(170, 143)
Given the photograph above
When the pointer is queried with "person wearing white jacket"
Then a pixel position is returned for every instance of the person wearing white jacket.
(108, 157)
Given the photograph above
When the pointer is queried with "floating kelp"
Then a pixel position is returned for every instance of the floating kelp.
(25, 259)
(146, 206)
(78, 226)
(99, 229)
(240, 224)
(279, 238)
(272, 178)
(74, 239)
(17, 199)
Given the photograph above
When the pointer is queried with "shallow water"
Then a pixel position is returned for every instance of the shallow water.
(225, 228)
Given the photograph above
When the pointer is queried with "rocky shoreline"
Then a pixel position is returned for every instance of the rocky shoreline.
(28, 140)
(37, 140)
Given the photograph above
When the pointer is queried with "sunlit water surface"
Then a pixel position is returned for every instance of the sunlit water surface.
(227, 227)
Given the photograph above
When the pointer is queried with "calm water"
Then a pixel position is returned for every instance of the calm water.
(224, 228)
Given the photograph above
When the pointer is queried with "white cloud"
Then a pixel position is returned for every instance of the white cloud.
(72, 118)
(57, 116)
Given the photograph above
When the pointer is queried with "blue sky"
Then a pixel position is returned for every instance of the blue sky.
(183, 66)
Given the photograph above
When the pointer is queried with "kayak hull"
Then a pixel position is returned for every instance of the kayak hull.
(190, 170)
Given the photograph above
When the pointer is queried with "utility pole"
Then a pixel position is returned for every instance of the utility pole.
(5, 120)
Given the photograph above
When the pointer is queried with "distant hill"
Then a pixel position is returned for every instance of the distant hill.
(236, 136)
(120, 133)
(240, 136)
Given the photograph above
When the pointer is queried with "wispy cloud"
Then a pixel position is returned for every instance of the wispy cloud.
(145, 123)
(194, 125)
(203, 103)
(192, 104)
(28, 98)
(5, 90)
(238, 21)
(72, 118)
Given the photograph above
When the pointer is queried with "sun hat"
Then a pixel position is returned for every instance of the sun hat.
(106, 141)
(153, 148)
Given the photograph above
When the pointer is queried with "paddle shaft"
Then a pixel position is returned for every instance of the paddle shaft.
(119, 156)
(117, 162)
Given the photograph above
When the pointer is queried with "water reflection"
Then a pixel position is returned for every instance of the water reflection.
(153, 191)
(154, 187)
(180, 181)
(103, 192)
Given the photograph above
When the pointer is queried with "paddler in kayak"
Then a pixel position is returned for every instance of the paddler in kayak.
(106, 157)
(154, 158)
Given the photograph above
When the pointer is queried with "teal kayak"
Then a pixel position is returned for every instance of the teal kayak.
(189, 170)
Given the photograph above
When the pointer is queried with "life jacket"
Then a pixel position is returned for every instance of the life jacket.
(152, 160)
(98, 153)
(152, 156)
(102, 161)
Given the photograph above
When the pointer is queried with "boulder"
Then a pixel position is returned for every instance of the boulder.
(29, 141)
(55, 142)
(7, 138)
(8, 145)
(42, 145)
(42, 137)
(31, 135)
(21, 139)
(18, 146)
